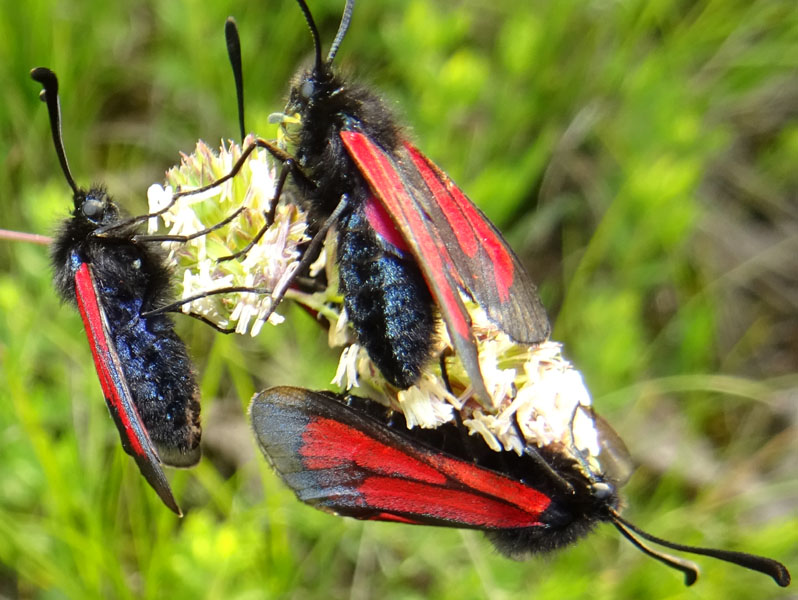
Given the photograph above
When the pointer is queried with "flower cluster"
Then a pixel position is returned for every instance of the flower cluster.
(265, 268)
(533, 389)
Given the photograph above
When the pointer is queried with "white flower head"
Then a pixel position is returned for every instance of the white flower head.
(234, 212)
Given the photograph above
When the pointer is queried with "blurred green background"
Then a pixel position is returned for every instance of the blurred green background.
(641, 158)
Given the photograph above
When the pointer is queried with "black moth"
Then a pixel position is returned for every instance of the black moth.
(352, 457)
(113, 276)
(409, 241)
(412, 248)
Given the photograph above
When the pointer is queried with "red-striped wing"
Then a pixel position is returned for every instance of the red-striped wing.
(455, 245)
(491, 271)
(341, 460)
(135, 439)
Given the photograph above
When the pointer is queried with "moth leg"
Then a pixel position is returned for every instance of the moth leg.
(534, 453)
(172, 307)
(289, 166)
(186, 238)
(465, 438)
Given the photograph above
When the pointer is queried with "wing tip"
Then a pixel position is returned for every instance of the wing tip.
(150, 468)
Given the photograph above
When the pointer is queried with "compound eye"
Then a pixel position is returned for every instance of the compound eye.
(602, 491)
(306, 89)
(92, 208)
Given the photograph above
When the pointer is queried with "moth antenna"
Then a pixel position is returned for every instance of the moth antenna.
(49, 95)
(768, 566)
(689, 568)
(346, 18)
(234, 54)
(314, 32)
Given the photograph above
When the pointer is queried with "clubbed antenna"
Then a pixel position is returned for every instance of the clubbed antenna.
(346, 18)
(775, 569)
(49, 95)
(314, 32)
(234, 54)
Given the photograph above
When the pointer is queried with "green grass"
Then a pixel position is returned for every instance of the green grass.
(640, 156)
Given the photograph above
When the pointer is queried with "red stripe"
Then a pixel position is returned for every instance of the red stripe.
(456, 217)
(394, 519)
(400, 482)
(379, 219)
(90, 312)
(466, 218)
(458, 506)
(329, 444)
(526, 498)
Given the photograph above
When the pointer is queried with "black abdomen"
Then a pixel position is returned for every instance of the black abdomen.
(387, 301)
(153, 358)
